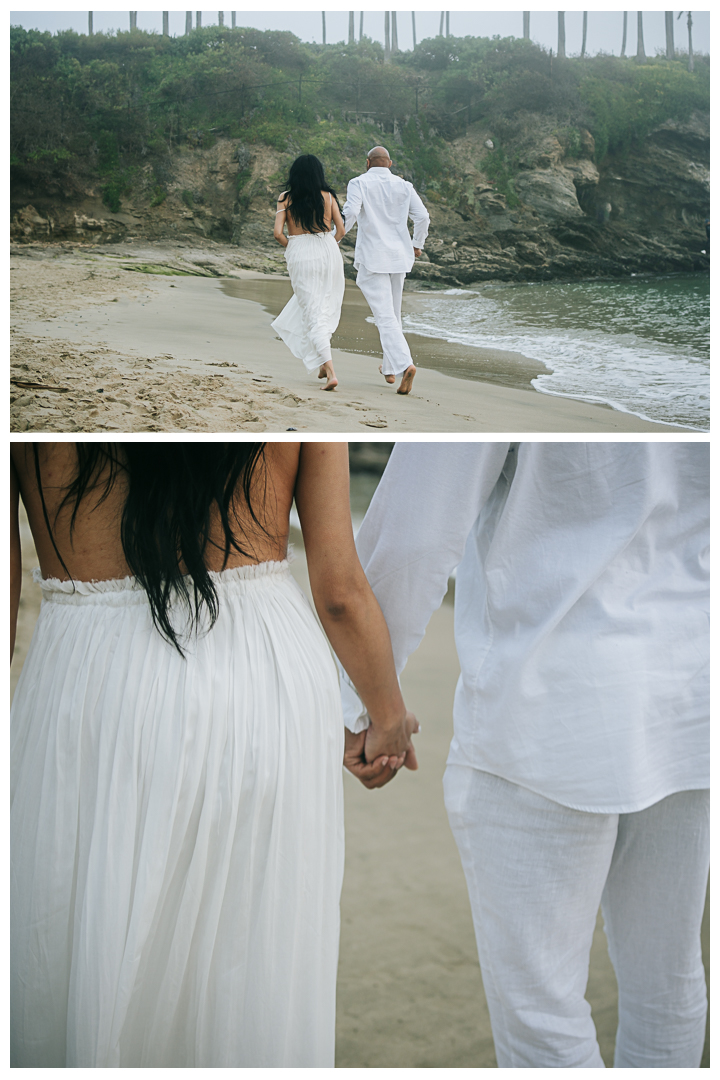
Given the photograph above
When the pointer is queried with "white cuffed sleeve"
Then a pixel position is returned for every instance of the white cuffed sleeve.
(353, 205)
(420, 219)
(414, 535)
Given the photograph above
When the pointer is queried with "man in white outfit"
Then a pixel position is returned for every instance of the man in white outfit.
(381, 203)
(578, 771)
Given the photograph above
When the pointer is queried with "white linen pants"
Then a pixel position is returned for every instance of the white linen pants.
(537, 873)
(383, 293)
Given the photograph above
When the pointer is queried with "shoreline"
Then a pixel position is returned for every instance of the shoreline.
(98, 347)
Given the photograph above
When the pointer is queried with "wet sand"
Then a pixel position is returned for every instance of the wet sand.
(409, 988)
(97, 346)
(356, 335)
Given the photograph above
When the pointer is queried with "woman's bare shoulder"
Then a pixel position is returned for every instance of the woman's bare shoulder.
(282, 197)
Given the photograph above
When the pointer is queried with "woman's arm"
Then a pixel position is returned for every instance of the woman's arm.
(345, 604)
(280, 217)
(15, 555)
(338, 220)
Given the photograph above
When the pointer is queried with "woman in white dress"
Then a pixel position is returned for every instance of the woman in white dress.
(177, 743)
(309, 208)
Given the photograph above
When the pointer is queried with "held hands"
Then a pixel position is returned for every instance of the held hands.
(375, 756)
(418, 252)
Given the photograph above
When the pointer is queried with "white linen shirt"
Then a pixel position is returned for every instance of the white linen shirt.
(381, 203)
(581, 608)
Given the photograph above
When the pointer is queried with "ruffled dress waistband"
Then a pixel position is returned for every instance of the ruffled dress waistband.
(128, 590)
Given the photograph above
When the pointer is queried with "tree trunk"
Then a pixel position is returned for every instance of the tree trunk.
(188, 21)
(526, 25)
(90, 23)
(394, 45)
(351, 28)
(669, 36)
(166, 24)
(133, 20)
(584, 40)
(447, 24)
(414, 37)
(386, 57)
(198, 19)
(561, 35)
(442, 24)
(221, 18)
(691, 62)
(360, 35)
(324, 29)
(641, 40)
(232, 19)
(624, 41)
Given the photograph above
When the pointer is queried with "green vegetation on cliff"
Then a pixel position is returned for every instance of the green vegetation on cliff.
(106, 105)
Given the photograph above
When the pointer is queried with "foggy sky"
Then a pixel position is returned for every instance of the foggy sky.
(604, 27)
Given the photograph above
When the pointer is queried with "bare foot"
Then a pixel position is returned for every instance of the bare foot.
(388, 378)
(322, 372)
(407, 380)
(328, 371)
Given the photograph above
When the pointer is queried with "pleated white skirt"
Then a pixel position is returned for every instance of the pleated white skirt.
(311, 317)
(177, 833)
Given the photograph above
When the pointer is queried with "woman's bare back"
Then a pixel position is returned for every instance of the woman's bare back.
(297, 230)
(94, 552)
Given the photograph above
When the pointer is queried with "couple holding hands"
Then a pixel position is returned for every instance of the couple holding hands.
(179, 727)
(380, 203)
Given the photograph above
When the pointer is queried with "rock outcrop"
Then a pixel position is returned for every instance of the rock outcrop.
(642, 213)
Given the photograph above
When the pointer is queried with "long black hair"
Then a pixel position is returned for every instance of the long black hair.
(303, 193)
(174, 491)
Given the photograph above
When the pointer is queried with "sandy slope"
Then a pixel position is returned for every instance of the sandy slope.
(97, 347)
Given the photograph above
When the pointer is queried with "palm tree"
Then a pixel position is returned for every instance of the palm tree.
(166, 24)
(641, 40)
(669, 36)
(394, 45)
(232, 19)
(133, 20)
(386, 57)
(442, 23)
(221, 18)
(624, 42)
(360, 36)
(526, 25)
(324, 33)
(561, 35)
(584, 39)
(90, 24)
(413, 28)
(447, 24)
(351, 28)
(188, 21)
(691, 61)
(198, 19)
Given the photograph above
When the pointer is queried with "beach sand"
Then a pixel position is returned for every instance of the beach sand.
(99, 347)
(409, 988)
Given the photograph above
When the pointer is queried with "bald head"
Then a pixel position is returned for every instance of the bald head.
(378, 158)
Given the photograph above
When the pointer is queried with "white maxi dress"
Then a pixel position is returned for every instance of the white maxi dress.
(311, 317)
(177, 833)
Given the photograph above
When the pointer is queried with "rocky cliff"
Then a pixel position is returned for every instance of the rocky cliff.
(561, 214)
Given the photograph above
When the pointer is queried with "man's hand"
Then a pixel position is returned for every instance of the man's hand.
(418, 252)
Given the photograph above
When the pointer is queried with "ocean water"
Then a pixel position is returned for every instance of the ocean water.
(640, 344)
